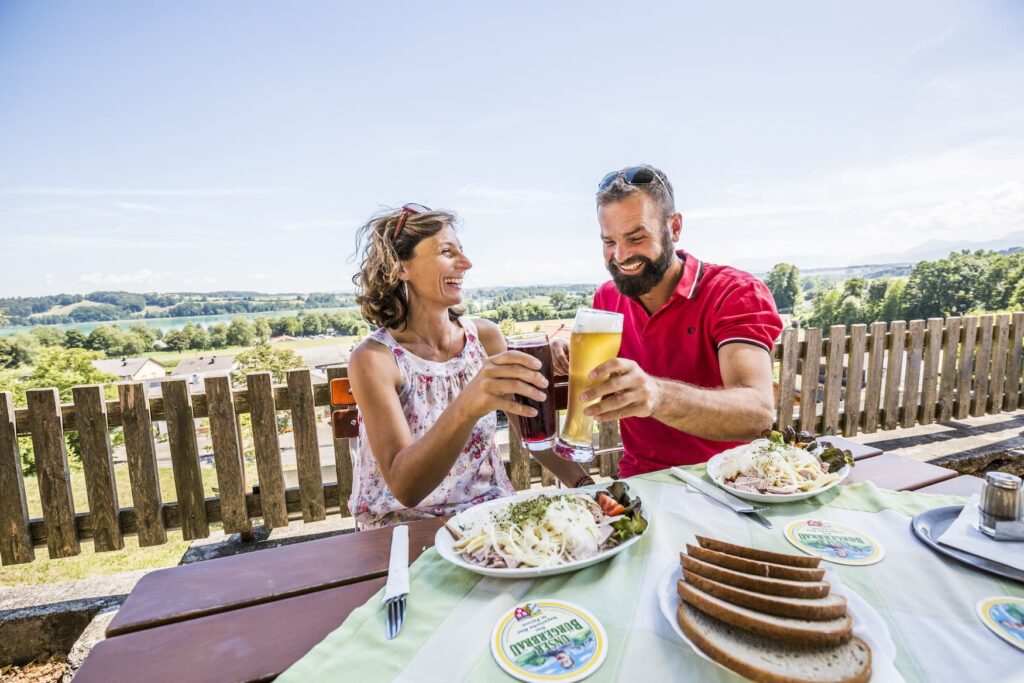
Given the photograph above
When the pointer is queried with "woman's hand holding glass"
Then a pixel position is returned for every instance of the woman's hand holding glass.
(502, 376)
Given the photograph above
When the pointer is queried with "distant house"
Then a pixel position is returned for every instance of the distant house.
(196, 370)
(319, 358)
(131, 369)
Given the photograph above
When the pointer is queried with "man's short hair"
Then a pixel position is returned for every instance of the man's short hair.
(659, 189)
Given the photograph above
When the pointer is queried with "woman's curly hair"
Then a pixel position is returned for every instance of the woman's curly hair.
(380, 295)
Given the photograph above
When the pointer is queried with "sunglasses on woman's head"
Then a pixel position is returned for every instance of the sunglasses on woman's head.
(406, 210)
(634, 175)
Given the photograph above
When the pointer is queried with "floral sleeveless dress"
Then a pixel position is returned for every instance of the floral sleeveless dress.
(427, 388)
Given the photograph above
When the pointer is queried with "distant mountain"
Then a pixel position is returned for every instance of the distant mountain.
(938, 249)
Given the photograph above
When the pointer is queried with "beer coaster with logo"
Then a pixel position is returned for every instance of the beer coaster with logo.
(1004, 616)
(834, 542)
(549, 640)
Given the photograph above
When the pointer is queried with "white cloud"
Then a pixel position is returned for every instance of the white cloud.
(138, 192)
(144, 276)
(302, 226)
(133, 206)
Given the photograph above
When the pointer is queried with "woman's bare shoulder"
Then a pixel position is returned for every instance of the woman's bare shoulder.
(490, 336)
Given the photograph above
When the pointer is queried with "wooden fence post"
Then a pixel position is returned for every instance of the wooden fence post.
(227, 455)
(894, 373)
(53, 475)
(809, 380)
(964, 384)
(854, 373)
(1013, 362)
(15, 537)
(873, 394)
(948, 381)
(268, 449)
(142, 467)
(787, 376)
(912, 377)
(997, 383)
(307, 446)
(188, 478)
(929, 386)
(982, 360)
(94, 440)
(833, 379)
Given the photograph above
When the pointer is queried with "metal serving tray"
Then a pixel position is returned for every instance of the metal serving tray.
(929, 525)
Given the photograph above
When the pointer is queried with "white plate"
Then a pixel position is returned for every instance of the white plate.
(867, 624)
(715, 466)
(443, 541)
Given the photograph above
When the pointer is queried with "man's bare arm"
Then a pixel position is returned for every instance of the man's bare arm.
(739, 411)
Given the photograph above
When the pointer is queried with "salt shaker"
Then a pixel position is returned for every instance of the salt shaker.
(1000, 501)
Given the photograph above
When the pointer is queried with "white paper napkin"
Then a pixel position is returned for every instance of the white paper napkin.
(398, 565)
(963, 534)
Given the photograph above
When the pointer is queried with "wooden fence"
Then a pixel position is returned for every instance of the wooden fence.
(885, 377)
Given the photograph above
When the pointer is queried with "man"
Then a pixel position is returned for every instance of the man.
(694, 374)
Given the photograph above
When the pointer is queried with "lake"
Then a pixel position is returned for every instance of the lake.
(165, 324)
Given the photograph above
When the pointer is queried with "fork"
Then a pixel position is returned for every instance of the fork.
(396, 615)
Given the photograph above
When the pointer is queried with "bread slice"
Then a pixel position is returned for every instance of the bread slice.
(815, 609)
(759, 555)
(802, 631)
(783, 587)
(741, 564)
(762, 659)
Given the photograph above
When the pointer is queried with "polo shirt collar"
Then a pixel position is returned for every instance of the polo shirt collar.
(693, 268)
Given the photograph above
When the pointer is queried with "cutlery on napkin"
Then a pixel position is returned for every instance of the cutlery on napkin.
(397, 588)
(719, 496)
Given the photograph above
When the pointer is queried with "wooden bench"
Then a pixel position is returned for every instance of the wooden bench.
(896, 472)
(964, 485)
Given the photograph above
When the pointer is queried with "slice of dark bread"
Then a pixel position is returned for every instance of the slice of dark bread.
(815, 609)
(800, 631)
(759, 584)
(759, 555)
(742, 564)
(771, 661)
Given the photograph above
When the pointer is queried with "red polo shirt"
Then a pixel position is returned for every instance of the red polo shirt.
(710, 307)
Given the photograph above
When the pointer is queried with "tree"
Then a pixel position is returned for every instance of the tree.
(176, 340)
(557, 300)
(241, 332)
(893, 305)
(48, 336)
(74, 339)
(265, 358)
(16, 351)
(261, 329)
(508, 327)
(783, 281)
(218, 336)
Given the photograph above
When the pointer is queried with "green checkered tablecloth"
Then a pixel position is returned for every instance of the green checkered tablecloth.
(926, 601)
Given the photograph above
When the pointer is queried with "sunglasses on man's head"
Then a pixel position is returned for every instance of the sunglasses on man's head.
(634, 175)
(406, 210)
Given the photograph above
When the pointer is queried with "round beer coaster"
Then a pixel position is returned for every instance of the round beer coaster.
(1004, 616)
(549, 640)
(834, 542)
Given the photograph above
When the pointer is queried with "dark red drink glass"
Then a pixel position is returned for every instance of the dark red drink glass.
(538, 432)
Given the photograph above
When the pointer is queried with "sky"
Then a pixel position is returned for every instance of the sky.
(238, 145)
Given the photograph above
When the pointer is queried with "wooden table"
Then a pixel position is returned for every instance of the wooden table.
(250, 617)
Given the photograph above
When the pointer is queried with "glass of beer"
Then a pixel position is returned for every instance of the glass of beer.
(538, 432)
(596, 336)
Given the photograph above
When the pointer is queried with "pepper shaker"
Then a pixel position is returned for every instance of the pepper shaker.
(1000, 501)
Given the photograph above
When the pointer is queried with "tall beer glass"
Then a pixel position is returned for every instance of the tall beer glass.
(538, 432)
(596, 337)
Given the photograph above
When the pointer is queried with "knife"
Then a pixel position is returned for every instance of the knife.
(719, 496)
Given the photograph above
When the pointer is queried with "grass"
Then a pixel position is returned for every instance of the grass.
(90, 563)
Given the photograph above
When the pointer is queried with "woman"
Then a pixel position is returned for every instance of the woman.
(428, 381)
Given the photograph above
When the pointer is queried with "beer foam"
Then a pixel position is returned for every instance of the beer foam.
(593, 321)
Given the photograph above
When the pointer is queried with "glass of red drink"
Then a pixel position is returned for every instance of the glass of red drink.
(538, 432)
